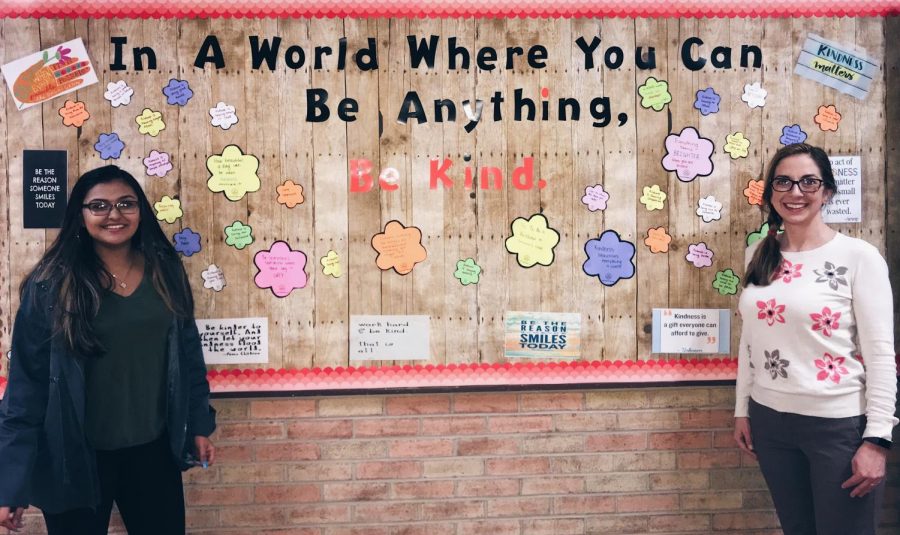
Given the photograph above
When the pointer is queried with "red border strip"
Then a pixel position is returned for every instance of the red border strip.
(443, 9)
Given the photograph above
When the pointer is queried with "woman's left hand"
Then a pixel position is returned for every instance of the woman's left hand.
(868, 466)
(206, 452)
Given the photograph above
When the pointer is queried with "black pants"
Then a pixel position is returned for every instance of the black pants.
(144, 482)
(804, 460)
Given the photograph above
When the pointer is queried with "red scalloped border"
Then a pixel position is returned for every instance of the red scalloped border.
(443, 9)
(473, 375)
(470, 375)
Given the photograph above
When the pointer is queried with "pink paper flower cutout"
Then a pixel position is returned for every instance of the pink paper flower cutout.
(770, 311)
(788, 271)
(688, 154)
(826, 321)
(831, 368)
(280, 269)
(699, 255)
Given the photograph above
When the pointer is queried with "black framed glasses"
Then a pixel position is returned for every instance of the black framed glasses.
(103, 208)
(807, 184)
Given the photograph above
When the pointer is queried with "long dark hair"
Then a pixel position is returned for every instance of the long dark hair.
(73, 268)
(767, 257)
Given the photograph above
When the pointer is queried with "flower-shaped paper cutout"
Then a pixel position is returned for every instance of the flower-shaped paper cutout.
(213, 278)
(828, 118)
(825, 321)
(157, 163)
(609, 258)
(831, 367)
(736, 145)
(399, 248)
(655, 94)
(331, 264)
(709, 209)
(688, 154)
(653, 198)
(707, 101)
(118, 93)
(755, 236)
(770, 311)
(150, 122)
(223, 116)
(699, 255)
(168, 209)
(233, 173)
(290, 194)
(726, 282)
(280, 269)
(754, 95)
(658, 240)
(532, 241)
(467, 271)
(792, 134)
(754, 191)
(74, 113)
(238, 235)
(109, 146)
(595, 198)
(187, 242)
(177, 92)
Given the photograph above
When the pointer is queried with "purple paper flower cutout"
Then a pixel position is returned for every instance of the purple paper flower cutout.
(177, 92)
(157, 163)
(699, 255)
(187, 242)
(609, 258)
(595, 198)
(109, 146)
(688, 154)
(792, 134)
(707, 101)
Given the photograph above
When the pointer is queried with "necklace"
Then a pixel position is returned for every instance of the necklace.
(122, 283)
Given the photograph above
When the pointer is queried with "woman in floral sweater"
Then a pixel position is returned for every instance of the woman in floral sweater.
(817, 383)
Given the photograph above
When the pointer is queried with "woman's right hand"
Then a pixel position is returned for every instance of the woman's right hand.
(742, 435)
(11, 518)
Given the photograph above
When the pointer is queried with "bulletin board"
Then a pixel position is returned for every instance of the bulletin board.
(315, 165)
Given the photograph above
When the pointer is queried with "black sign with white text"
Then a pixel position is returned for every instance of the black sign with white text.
(44, 182)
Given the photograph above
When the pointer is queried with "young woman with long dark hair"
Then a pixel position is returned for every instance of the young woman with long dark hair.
(817, 382)
(107, 399)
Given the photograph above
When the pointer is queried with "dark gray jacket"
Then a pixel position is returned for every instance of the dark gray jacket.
(45, 458)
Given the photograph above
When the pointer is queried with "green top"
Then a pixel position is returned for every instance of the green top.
(126, 386)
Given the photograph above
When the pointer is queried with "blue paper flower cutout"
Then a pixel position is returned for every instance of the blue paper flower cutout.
(109, 146)
(177, 92)
(792, 134)
(187, 242)
(707, 101)
(609, 258)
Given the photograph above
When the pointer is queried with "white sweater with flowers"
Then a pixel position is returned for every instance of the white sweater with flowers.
(819, 340)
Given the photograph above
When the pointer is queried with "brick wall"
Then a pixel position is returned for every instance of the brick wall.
(650, 460)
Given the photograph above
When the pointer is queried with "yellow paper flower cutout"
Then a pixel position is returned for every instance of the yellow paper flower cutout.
(653, 198)
(168, 209)
(150, 122)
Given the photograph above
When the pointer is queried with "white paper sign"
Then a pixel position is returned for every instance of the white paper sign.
(846, 206)
(375, 337)
(691, 330)
(49, 73)
(234, 340)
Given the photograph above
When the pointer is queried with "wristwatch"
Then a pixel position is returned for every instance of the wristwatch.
(878, 441)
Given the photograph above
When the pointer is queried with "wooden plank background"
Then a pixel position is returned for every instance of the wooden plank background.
(309, 327)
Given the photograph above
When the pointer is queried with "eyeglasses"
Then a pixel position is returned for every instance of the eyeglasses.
(806, 184)
(103, 208)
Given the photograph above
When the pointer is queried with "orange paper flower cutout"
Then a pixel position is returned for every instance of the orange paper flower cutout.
(399, 248)
(74, 113)
(754, 191)
(828, 118)
(290, 194)
(658, 240)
